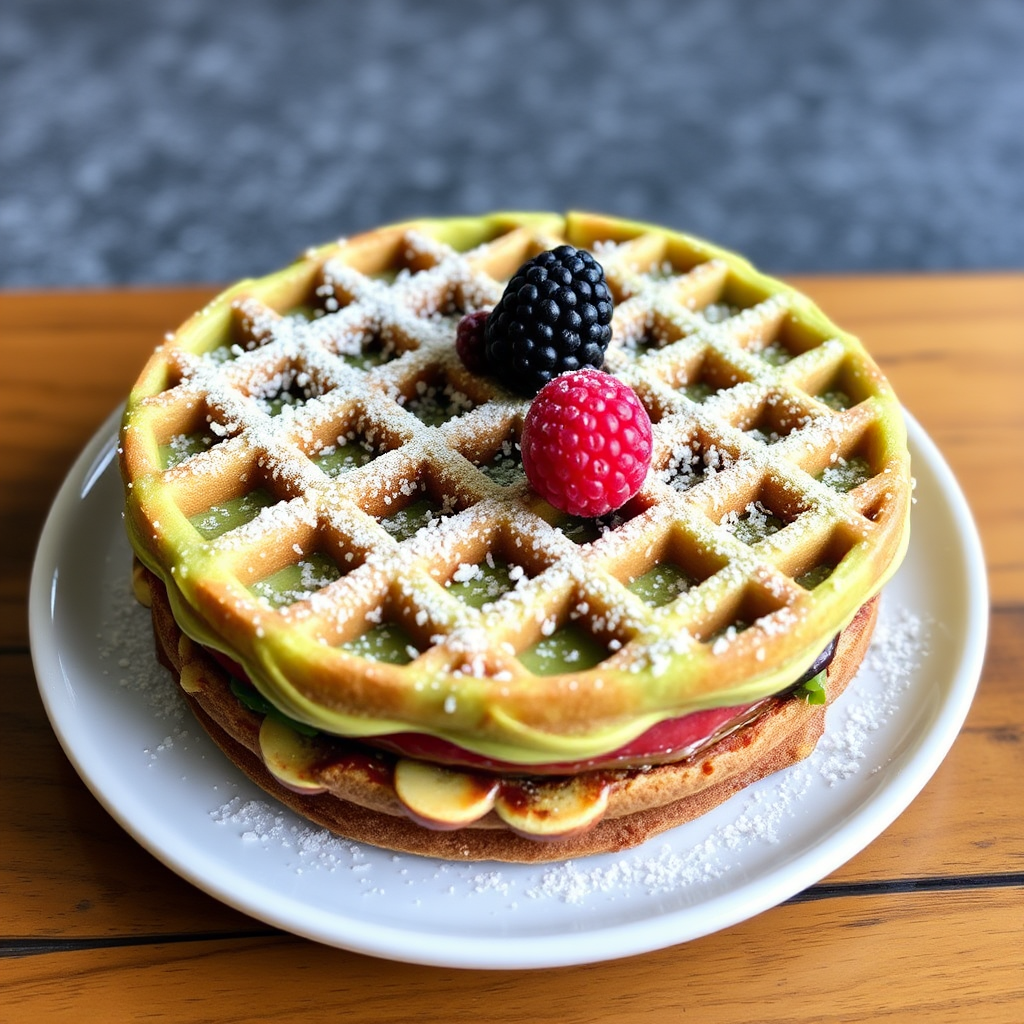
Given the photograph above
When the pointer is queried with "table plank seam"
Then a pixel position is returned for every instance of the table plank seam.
(14, 948)
(898, 886)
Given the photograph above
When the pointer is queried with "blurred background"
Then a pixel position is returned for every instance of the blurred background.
(202, 141)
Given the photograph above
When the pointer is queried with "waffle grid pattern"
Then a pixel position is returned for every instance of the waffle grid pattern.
(319, 422)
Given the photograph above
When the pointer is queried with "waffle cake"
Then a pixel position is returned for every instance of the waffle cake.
(378, 618)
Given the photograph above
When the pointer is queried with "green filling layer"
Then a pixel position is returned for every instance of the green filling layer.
(585, 530)
(344, 456)
(506, 468)
(184, 446)
(580, 530)
(698, 391)
(838, 400)
(642, 345)
(662, 584)
(436, 405)
(299, 581)
(813, 691)
(487, 583)
(373, 353)
(274, 405)
(716, 312)
(815, 577)
(255, 702)
(231, 514)
(304, 312)
(387, 642)
(406, 521)
(569, 649)
(846, 474)
(775, 354)
(756, 524)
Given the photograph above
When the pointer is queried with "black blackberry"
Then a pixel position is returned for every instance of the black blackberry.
(554, 316)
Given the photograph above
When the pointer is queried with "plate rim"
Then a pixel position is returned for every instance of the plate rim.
(611, 941)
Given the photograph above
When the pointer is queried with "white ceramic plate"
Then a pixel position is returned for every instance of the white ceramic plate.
(128, 735)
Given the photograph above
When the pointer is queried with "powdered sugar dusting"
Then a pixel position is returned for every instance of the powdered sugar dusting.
(899, 644)
(277, 378)
(124, 645)
(677, 862)
(898, 647)
(260, 823)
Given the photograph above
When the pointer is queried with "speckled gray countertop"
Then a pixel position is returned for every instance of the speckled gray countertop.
(191, 140)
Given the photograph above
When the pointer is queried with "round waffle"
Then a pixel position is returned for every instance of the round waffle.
(333, 502)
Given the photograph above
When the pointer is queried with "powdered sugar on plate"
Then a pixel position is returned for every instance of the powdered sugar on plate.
(126, 656)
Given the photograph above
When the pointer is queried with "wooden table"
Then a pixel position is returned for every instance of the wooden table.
(927, 923)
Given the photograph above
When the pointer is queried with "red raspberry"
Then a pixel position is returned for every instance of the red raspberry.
(586, 443)
(469, 341)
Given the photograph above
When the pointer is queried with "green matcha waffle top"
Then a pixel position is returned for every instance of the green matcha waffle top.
(335, 502)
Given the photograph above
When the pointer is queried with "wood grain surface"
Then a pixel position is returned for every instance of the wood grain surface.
(927, 923)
